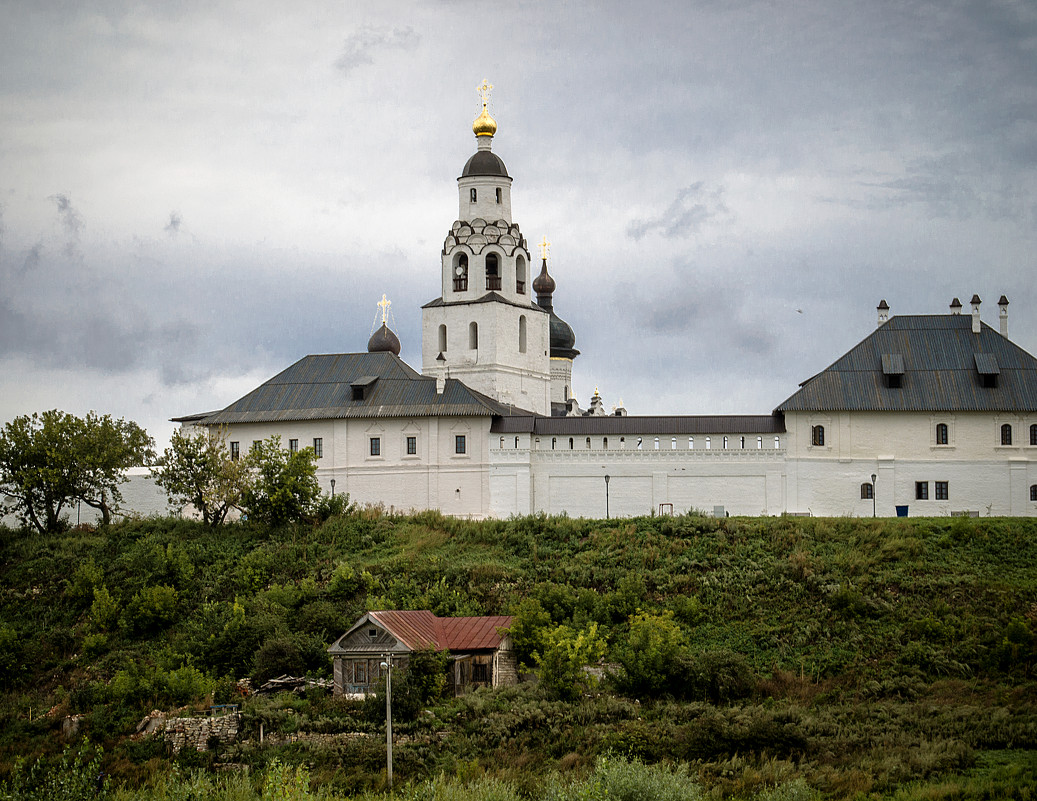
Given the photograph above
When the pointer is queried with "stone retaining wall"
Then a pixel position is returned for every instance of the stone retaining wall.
(197, 732)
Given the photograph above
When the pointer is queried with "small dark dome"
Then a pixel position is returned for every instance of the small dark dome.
(563, 340)
(384, 341)
(484, 162)
(544, 284)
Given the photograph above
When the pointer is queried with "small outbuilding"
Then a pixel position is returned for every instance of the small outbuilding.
(480, 649)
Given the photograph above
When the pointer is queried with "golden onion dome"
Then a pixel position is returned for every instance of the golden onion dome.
(484, 124)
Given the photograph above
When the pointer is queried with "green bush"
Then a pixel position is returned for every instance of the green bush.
(653, 657)
(151, 610)
(104, 611)
(563, 658)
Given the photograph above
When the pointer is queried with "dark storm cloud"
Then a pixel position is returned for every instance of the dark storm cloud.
(359, 48)
(173, 226)
(693, 206)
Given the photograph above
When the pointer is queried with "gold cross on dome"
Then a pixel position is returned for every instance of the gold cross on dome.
(385, 304)
(484, 90)
(545, 247)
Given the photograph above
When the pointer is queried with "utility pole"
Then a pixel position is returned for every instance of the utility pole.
(387, 664)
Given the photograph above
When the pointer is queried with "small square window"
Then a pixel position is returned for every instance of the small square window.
(460, 445)
(376, 446)
(235, 451)
(372, 633)
(921, 490)
(412, 446)
(293, 446)
(318, 447)
(942, 491)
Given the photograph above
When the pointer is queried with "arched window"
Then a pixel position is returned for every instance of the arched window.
(461, 273)
(554, 441)
(502, 443)
(516, 441)
(570, 443)
(777, 443)
(1006, 434)
(741, 443)
(1033, 434)
(522, 333)
(520, 275)
(759, 443)
(725, 443)
(1033, 492)
(588, 443)
(492, 271)
(867, 491)
(640, 442)
(605, 443)
(442, 339)
(536, 444)
(673, 443)
(473, 336)
(622, 443)
(942, 433)
(566, 392)
(817, 436)
(473, 195)
(709, 444)
(657, 443)
(498, 194)
(691, 443)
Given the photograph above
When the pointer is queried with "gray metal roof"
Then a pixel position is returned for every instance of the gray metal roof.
(942, 363)
(618, 426)
(489, 297)
(320, 388)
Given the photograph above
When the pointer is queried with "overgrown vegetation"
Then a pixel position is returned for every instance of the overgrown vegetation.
(743, 658)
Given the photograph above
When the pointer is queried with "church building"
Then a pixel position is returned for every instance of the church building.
(928, 415)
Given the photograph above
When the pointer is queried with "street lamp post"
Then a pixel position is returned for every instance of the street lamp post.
(332, 488)
(873, 477)
(387, 664)
(607, 479)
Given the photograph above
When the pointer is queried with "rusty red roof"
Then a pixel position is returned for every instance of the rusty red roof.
(421, 629)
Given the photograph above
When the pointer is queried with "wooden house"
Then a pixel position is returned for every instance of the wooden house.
(479, 647)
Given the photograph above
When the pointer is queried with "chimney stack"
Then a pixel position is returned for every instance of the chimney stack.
(955, 306)
(976, 328)
(1002, 305)
(883, 310)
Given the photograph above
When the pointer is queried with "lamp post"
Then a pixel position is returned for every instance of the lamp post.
(873, 477)
(387, 664)
(332, 488)
(607, 479)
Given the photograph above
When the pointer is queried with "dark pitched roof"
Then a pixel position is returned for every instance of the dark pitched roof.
(633, 424)
(321, 388)
(418, 629)
(943, 363)
(489, 297)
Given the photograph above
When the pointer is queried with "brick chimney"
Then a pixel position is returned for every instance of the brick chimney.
(976, 328)
(955, 306)
(883, 310)
(1002, 306)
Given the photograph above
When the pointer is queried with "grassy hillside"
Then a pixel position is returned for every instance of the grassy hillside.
(830, 656)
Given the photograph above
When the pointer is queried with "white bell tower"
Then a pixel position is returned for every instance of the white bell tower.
(484, 328)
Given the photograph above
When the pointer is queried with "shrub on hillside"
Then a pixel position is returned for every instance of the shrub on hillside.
(151, 610)
(653, 657)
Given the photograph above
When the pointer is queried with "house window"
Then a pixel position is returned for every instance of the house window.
(942, 434)
(480, 670)
(1033, 492)
(376, 446)
(817, 436)
(372, 633)
(255, 444)
(358, 393)
(412, 446)
(921, 490)
(473, 195)
(460, 444)
(360, 672)
(1033, 434)
(293, 446)
(1006, 434)
(235, 451)
(318, 447)
(867, 491)
(942, 491)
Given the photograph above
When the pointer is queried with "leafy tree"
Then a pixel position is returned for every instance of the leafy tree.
(197, 469)
(285, 486)
(51, 460)
(564, 655)
(652, 655)
(529, 624)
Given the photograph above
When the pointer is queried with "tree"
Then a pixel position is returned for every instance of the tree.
(564, 655)
(51, 460)
(198, 470)
(652, 656)
(284, 488)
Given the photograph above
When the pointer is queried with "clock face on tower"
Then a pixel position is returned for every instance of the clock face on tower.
(459, 270)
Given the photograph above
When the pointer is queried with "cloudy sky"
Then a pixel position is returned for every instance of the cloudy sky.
(193, 195)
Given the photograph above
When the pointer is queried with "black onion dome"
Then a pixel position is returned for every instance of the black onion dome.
(484, 162)
(544, 284)
(563, 340)
(384, 341)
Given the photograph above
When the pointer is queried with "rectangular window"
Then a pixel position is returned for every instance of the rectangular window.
(921, 490)
(942, 492)
(360, 672)
(318, 447)
(293, 446)
(235, 451)
(460, 445)
(376, 446)
(412, 446)
(255, 443)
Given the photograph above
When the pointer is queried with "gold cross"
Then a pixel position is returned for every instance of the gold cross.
(484, 91)
(384, 304)
(545, 246)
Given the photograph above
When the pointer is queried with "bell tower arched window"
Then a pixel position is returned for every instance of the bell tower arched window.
(473, 336)
(442, 339)
(522, 333)
(461, 273)
(473, 195)
(492, 271)
(520, 275)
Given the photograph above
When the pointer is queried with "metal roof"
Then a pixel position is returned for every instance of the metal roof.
(632, 424)
(418, 629)
(942, 362)
(489, 297)
(320, 388)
